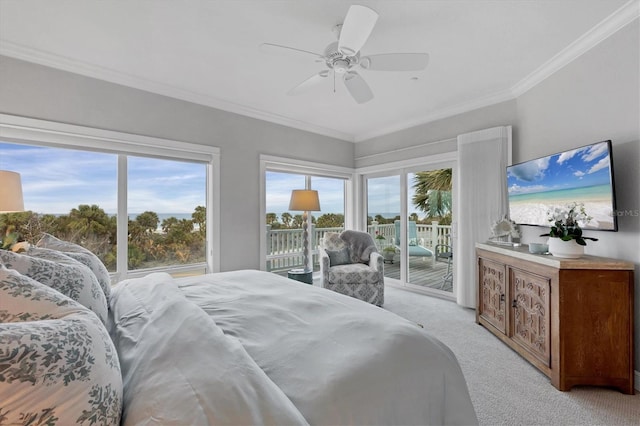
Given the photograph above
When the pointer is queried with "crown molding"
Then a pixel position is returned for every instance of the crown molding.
(102, 73)
(440, 114)
(626, 14)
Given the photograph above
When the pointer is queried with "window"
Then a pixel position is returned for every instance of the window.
(283, 242)
(138, 203)
(166, 209)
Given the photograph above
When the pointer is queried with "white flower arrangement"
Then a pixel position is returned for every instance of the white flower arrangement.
(566, 223)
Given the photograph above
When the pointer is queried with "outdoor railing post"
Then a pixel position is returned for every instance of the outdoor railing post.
(435, 238)
(269, 248)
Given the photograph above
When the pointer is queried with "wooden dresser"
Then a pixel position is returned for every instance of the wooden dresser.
(571, 318)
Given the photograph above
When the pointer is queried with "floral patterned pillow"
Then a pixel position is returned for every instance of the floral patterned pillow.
(333, 242)
(59, 365)
(83, 256)
(69, 277)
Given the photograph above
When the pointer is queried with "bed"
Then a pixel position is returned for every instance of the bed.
(242, 347)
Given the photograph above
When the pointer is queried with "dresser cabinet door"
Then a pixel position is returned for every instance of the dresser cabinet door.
(530, 314)
(493, 287)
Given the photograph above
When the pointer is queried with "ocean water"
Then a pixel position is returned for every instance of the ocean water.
(584, 194)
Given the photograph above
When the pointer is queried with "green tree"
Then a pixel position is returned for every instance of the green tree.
(199, 217)
(271, 218)
(148, 221)
(286, 219)
(168, 223)
(433, 192)
(89, 219)
(297, 221)
(330, 220)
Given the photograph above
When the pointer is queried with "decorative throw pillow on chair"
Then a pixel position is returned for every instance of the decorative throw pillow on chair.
(339, 257)
(332, 241)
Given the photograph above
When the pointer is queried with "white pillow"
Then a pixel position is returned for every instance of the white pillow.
(59, 365)
(69, 277)
(83, 256)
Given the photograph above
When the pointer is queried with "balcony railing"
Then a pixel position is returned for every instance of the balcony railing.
(284, 246)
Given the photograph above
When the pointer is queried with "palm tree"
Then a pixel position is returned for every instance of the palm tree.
(433, 192)
(199, 217)
(286, 219)
(89, 219)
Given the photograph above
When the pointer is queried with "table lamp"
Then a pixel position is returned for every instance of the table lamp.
(305, 200)
(10, 192)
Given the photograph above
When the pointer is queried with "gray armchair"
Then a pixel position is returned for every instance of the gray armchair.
(350, 264)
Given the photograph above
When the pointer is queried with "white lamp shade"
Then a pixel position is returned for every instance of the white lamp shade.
(10, 192)
(304, 200)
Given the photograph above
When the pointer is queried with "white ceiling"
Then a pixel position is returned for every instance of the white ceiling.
(481, 52)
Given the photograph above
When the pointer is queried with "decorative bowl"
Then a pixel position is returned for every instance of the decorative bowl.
(538, 248)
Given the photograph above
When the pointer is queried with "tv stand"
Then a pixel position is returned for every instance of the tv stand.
(571, 318)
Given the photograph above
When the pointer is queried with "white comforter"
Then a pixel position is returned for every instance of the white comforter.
(275, 351)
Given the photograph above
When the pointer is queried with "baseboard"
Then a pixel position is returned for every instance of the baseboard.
(636, 380)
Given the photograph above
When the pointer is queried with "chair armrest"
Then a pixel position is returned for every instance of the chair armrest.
(376, 261)
(324, 264)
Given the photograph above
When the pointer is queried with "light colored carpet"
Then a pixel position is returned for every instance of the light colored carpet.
(506, 389)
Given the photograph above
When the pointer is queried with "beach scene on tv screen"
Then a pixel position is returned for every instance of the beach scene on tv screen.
(582, 175)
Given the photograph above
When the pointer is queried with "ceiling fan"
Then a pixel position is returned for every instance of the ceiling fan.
(343, 56)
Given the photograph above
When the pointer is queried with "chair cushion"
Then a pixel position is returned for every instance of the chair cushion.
(419, 251)
(353, 273)
(339, 257)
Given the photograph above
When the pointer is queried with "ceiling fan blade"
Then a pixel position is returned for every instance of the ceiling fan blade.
(357, 87)
(356, 29)
(279, 49)
(309, 83)
(395, 62)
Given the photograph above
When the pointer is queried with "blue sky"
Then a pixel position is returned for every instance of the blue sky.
(56, 180)
(581, 167)
(383, 193)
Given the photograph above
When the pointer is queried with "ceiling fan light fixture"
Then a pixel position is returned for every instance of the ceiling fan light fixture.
(341, 66)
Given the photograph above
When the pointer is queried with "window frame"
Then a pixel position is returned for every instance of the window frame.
(307, 168)
(23, 130)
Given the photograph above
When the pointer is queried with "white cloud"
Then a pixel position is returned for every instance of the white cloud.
(595, 151)
(602, 164)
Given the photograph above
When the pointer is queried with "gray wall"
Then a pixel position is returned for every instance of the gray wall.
(594, 98)
(436, 137)
(35, 91)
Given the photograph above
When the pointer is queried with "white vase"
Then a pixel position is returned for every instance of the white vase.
(566, 249)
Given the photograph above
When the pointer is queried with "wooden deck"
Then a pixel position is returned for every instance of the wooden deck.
(422, 272)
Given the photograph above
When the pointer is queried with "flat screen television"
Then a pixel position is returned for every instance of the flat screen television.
(581, 175)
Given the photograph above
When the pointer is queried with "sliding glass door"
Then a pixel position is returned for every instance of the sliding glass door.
(429, 218)
(410, 215)
(383, 214)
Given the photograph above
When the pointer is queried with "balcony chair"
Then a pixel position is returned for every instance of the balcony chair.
(350, 264)
(416, 245)
(445, 252)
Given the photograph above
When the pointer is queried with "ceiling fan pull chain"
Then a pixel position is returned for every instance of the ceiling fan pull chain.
(334, 82)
